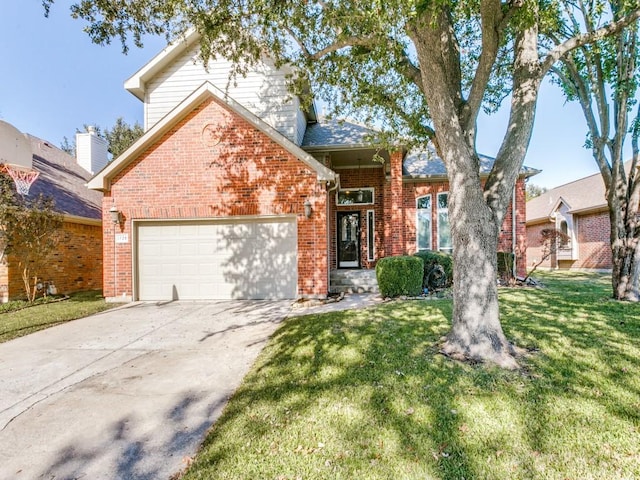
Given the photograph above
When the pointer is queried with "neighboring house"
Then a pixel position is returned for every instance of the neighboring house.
(76, 264)
(579, 210)
(236, 191)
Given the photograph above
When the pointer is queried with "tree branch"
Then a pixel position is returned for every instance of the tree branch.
(526, 82)
(491, 18)
(301, 45)
(560, 50)
(411, 71)
(344, 43)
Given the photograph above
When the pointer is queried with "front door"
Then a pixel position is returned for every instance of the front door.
(348, 239)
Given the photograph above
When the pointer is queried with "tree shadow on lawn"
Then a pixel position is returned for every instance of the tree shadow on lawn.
(351, 368)
(366, 395)
(128, 450)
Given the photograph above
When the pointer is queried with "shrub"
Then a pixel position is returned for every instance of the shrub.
(400, 276)
(505, 265)
(430, 257)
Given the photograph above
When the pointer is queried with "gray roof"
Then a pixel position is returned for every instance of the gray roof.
(339, 134)
(335, 134)
(64, 180)
(585, 194)
(426, 163)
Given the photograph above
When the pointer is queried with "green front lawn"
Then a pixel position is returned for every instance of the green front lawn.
(365, 395)
(17, 323)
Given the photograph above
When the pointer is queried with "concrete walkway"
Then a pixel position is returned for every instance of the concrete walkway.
(126, 394)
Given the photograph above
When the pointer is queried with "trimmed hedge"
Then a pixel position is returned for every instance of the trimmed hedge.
(400, 276)
(429, 257)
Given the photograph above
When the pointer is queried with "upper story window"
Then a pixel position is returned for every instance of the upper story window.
(355, 196)
(423, 222)
(445, 243)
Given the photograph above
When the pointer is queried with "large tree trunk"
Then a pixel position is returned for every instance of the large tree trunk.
(476, 333)
(625, 256)
(475, 214)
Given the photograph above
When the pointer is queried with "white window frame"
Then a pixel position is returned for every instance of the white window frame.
(365, 189)
(442, 210)
(430, 247)
(371, 235)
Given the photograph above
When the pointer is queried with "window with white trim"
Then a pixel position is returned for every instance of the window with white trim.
(355, 196)
(445, 243)
(423, 223)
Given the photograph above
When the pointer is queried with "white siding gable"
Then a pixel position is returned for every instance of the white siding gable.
(263, 91)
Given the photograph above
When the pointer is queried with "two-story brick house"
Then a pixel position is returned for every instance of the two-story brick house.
(236, 191)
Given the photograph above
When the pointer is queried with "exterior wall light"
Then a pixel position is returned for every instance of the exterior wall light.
(307, 208)
(115, 214)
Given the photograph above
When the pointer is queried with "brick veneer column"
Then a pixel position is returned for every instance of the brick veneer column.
(396, 241)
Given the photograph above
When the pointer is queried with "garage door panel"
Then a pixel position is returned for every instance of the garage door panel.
(217, 260)
(267, 231)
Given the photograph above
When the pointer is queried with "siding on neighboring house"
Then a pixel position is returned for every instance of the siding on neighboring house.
(263, 91)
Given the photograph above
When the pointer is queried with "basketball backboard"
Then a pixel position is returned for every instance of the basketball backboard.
(16, 157)
(15, 148)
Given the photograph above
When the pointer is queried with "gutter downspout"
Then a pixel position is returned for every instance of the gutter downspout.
(513, 232)
(335, 187)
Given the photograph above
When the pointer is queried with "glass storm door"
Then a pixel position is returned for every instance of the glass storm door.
(348, 239)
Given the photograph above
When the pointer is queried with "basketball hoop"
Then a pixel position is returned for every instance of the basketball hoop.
(23, 178)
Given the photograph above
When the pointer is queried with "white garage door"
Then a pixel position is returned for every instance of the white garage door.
(235, 259)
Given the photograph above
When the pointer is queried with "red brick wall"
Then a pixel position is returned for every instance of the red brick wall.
(76, 264)
(4, 281)
(412, 191)
(185, 175)
(592, 235)
(395, 232)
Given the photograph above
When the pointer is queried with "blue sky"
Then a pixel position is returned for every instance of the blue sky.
(54, 80)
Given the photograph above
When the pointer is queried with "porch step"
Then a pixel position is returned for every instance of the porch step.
(354, 281)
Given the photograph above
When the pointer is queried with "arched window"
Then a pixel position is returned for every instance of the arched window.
(564, 228)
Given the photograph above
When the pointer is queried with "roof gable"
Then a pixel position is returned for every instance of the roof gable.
(207, 90)
(136, 84)
(583, 195)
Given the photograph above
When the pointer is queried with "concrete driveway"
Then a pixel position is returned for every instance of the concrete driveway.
(126, 394)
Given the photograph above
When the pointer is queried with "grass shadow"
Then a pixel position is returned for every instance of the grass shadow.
(364, 394)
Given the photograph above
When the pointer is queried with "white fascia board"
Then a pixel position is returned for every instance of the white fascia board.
(136, 84)
(207, 90)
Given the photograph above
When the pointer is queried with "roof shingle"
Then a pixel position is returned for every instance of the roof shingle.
(584, 194)
(64, 180)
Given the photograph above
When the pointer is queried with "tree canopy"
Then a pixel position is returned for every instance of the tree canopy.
(119, 137)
